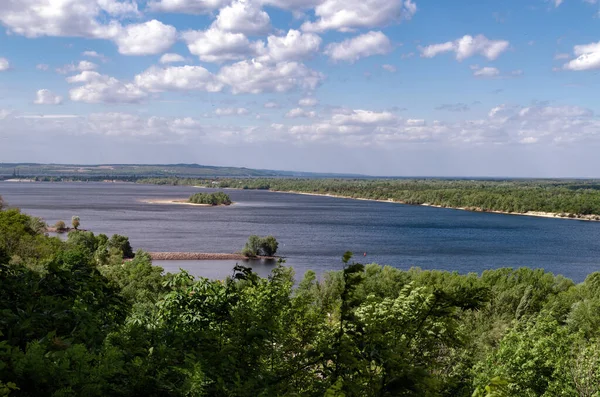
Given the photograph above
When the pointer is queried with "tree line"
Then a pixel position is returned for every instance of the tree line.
(569, 197)
(78, 318)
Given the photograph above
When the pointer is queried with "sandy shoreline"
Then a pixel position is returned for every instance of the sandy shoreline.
(539, 214)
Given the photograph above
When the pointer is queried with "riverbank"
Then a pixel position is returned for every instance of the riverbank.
(200, 256)
(539, 214)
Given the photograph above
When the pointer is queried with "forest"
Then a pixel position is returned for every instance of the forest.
(78, 317)
(569, 197)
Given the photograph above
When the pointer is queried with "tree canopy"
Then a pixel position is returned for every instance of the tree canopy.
(77, 319)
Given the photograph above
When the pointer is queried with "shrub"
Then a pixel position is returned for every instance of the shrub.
(60, 226)
(75, 222)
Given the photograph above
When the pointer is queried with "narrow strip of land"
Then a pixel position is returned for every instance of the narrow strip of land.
(200, 256)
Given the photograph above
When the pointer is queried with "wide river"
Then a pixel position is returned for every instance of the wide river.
(314, 232)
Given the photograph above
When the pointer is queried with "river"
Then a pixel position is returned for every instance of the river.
(314, 232)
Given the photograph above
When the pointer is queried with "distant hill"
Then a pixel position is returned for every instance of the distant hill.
(133, 171)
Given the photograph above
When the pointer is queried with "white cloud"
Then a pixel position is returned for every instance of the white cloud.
(181, 78)
(271, 105)
(243, 16)
(468, 46)
(82, 66)
(152, 37)
(389, 68)
(560, 56)
(42, 66)
(486, 72)
(214, 45)
(99, 88)
(294, 46)
(299, 112)
(231, 111)
(588, 57)
(4, 64)
(308, 102)
(365, 45)
(346, 15)
(94, 54)
(294, 5)
(114, 7)
(186, 6)
(47, 97)
(171, 58)
(256, 77)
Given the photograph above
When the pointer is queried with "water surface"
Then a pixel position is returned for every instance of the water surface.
(314, 232)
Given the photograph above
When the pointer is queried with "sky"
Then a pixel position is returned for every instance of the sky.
(378, 87)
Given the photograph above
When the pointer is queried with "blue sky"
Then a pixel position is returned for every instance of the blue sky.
(381, 87)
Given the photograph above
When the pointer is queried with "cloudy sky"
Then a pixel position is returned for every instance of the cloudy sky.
(380, 87)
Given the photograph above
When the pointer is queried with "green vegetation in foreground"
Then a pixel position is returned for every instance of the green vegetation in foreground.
(217, 198)
(78, 320)
(572, 198)
(265, 246)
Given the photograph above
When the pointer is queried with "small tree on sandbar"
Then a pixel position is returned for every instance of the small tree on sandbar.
(75, 222)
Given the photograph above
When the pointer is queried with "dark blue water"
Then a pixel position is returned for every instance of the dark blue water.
(314, 232)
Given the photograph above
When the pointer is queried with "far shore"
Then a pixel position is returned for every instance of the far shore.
(178, 202)
(539, 214)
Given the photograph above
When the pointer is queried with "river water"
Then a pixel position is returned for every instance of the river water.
(314, 232)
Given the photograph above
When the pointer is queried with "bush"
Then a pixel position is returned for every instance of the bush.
(217, 198)
(255, 246)
(60, 226)
(121, 243)
(75, 222)
(269, 245)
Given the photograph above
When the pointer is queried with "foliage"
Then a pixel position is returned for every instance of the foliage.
(78, 319)
(571, 198)
(75, 222)
(60, 226)
(265, 246)
(217, 198)
(2, 203)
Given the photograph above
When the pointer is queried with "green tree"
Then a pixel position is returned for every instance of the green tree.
(252, 247)
(268, 245)
(60, 226)
(121, 243)
(75, 221)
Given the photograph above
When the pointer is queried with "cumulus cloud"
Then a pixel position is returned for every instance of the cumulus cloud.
(186, 6)
(181, 78)
(97, 88)
(4, 64)
(255, 77)
(231, 111)
(588, 57)
(86, 18)
(215, 45)
(94, 54)
(47, 97)
(365, 45)
(82, 66)
(504, 125)
(308, 102)
(243, 16)
(468, 46)
(171, 58)
(299, 112)
(347, 15)
(148, 38)
(294, 46)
